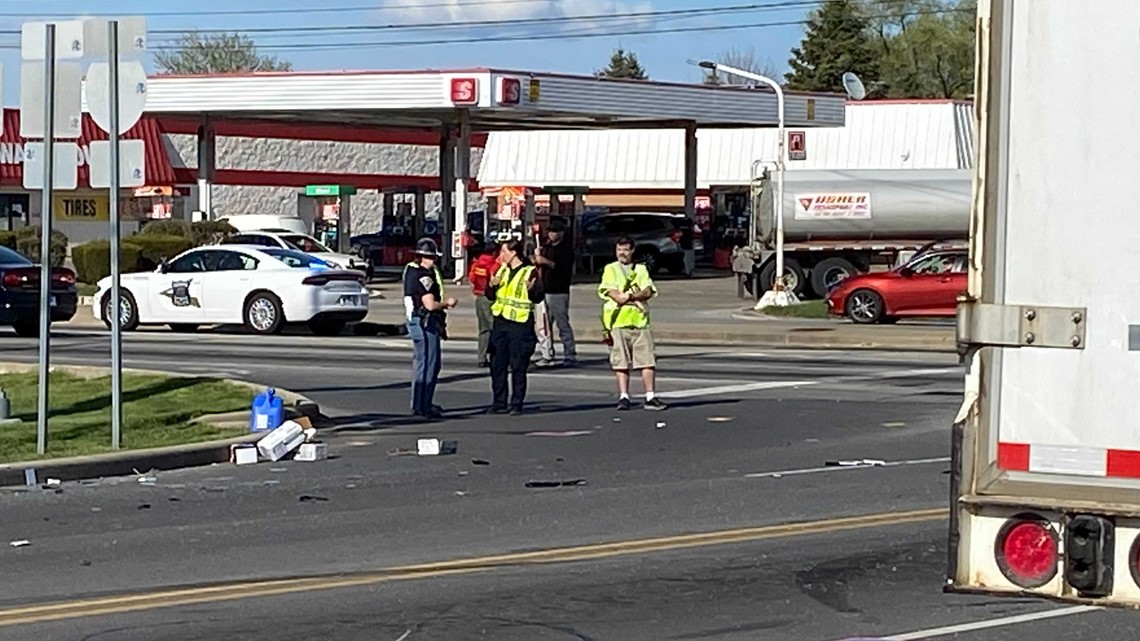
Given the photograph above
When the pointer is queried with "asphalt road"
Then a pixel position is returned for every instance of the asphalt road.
(744, 449)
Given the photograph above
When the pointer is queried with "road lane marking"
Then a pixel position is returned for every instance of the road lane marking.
(843, 468)
(274, 587)
(734, 389)
(991, 623)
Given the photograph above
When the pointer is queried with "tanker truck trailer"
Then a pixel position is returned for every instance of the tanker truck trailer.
(838, 223)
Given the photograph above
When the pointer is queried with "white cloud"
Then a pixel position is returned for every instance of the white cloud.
(405, 11)
(458, 11)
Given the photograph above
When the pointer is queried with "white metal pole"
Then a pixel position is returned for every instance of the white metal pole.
(778, 283)
(115, 317)
(45, 239)
(781, 162)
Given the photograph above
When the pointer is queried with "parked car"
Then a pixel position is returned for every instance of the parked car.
(285, 239)
(659, 239)
(926, 286)
(260, 287)
(20, 293)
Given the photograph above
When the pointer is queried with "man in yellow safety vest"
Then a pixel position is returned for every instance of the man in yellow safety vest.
(514, 290)
(626, 288)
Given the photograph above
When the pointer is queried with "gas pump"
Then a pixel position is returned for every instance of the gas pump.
(332, 224)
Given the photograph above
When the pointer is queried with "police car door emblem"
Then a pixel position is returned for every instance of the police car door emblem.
(179, 294)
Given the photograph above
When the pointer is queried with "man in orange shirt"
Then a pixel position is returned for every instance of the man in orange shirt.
(482, 271)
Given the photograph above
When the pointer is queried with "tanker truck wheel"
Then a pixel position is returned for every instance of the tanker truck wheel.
(829, 273)
(793, 276)
(865, 307)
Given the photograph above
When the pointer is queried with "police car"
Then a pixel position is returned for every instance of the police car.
(259, 287)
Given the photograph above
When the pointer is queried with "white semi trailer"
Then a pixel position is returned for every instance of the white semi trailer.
(1046, 455)
(841, 222)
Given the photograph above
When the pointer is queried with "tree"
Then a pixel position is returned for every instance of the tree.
(929, 52)
(197, 54)
(745, 59)
(623, 64)
(838, 39)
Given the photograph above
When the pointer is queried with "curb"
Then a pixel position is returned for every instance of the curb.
(126, 462)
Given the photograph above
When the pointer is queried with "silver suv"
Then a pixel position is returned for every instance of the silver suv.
(659, 239)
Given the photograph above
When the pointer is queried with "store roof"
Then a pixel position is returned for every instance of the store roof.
(877, 135)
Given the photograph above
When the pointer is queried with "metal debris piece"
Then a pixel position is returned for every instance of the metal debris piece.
(720, 419)
(22, 543)
(857, 463)
(547, 484)
(479, 461)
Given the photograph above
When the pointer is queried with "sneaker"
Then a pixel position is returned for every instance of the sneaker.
(516, 411)
(655, 404)
(544, 362)
(497, 410)
(623, 404)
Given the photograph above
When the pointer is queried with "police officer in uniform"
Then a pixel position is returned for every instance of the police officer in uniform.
(514, 290)
(425, 317)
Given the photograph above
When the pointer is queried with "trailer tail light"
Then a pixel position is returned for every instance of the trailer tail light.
(1026, 551)
(1089, 553)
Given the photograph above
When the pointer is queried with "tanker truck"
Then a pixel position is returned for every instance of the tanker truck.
(838, 223)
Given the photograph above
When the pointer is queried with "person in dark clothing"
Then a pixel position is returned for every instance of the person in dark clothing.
(514, 291)
(425, 318)
(555, 259)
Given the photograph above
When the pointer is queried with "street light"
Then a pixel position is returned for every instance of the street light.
(777, 296)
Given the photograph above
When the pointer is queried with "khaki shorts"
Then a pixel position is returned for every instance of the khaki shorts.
(632, 349)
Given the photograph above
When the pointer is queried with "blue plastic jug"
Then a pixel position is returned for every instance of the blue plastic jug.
(268, 412)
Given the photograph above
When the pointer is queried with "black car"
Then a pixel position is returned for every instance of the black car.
(20, 293)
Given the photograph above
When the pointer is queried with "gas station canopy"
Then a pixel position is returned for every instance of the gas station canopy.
(459, 103)
(493, 100)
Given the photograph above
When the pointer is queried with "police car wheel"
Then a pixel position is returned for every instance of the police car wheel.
(263, 314)
(128, 311)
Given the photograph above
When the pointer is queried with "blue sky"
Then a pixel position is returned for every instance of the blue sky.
(697, 29)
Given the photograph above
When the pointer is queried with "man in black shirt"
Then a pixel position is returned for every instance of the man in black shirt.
(555, 259)
(425, 317)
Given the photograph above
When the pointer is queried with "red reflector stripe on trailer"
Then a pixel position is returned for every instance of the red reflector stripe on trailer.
(1124, 464)
(1083, 461)
(1013, 456)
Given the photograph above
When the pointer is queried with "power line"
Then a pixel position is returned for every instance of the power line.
(352, 46)
(585, 34)
(262, 12)
(698, 11)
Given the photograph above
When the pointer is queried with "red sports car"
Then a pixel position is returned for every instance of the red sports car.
(926, 286)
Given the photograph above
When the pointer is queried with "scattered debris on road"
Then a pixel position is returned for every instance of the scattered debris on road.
(436, 447)
(548, 484)
(308, 498)
(720, 419)
(563, 433)
(857, 463)
(660, 425)
(315, 451)
(22, 543)
(479, 461)
(144, 506)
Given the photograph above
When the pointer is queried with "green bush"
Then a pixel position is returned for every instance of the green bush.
(209, 232)
(27, 242)
(93, 260)
(8, 239)
(166, 228)
(200, 233)
(155, 248)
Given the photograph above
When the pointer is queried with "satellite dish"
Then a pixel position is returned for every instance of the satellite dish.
(854, 86)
